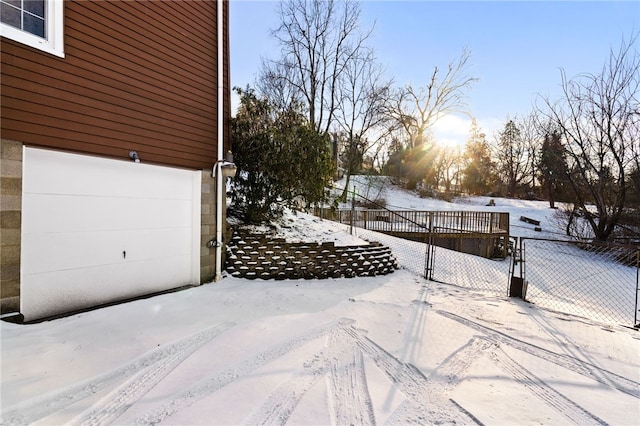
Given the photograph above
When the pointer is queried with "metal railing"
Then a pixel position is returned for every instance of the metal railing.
(416, 221)
(483, 234)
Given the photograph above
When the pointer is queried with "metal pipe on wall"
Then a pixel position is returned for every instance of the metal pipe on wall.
(220, 123)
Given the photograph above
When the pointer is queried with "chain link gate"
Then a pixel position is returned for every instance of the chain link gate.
(592, 280)
(466, 270)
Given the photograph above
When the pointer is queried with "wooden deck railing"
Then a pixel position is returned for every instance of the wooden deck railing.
(468, 223)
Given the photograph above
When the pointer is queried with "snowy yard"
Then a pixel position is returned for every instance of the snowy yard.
(388, 350)
(393, 349)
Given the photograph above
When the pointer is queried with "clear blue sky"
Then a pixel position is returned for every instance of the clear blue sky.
(517, 47)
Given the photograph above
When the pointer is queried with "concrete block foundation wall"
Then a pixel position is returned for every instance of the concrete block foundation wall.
(207, 227)
(10, 224)
(257, 256)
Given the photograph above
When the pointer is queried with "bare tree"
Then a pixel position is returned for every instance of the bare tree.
(635, 171)
(360, 114)
(416, 110)
(318, 39)
(447, 166)
(274, 85)
(633, 131)
(598, 119)
(532, 138)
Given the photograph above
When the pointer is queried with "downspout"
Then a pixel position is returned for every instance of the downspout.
(218, 165)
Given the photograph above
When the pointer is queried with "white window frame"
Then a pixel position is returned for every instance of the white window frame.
(54, 29)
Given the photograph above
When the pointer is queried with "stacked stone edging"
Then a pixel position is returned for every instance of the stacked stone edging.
(256, 256)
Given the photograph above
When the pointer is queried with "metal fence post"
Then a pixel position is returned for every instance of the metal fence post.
(430, 250)
(635, 313)
(521, 255)
(353, 208)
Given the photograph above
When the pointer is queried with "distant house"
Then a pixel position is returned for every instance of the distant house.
(113, 124)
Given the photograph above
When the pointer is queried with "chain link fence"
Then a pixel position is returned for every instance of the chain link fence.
(444, 265)
(597, 281)
(591, 280)
(409, 254)
(469, 271)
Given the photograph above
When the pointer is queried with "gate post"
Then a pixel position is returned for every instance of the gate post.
(517, 285)
(353, 207)
(430, 250)
(636, 324)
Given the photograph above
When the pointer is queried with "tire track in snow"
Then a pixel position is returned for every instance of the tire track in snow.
(448, 375)
(348, 389)
(540, 389)
(583, 368)
(280, 404)
(442, 381)
(217, 381)
(117, 402)
(427, 404)
(464, 410)
(349, 393)
(39, 408)
(343, 366)
(408, 378)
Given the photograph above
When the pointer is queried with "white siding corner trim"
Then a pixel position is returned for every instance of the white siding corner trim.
(97, 230)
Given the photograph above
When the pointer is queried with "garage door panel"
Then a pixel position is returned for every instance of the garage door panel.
(96, 230)
(108, 284)
(65, 213)
(62, 251)
(85, 176)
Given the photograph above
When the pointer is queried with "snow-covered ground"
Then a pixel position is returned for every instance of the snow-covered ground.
(395, 349)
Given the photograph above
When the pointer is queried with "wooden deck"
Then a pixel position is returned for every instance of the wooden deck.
(484, 234)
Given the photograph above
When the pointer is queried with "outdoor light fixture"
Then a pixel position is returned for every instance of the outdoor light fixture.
(227, 166)
(134, 156)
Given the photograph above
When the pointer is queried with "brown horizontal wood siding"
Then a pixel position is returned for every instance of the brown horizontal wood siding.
(137, 75)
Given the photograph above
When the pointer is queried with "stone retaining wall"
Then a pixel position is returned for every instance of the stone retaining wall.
(256, 256)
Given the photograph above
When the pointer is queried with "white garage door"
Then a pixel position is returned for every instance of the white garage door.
(96, 230)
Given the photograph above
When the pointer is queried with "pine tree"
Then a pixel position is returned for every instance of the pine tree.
(553, 167)
(281, 160)
(511, 157)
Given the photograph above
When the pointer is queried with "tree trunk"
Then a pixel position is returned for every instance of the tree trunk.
(345, 191)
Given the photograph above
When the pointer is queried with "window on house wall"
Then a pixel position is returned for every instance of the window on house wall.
(37, 23)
